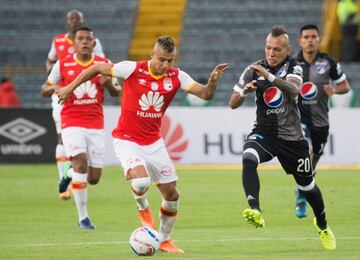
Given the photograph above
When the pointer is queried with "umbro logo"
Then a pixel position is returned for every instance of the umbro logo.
(21, 130)
(142, 82)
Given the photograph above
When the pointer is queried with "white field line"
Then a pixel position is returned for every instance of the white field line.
(180, 241)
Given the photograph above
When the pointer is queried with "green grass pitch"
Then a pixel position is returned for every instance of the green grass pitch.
(35, 224)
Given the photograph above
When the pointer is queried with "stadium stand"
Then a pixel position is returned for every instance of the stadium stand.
(213, 32)
(27, 28)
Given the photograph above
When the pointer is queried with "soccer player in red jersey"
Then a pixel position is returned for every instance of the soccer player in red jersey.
(82, 120)
(149, 87)
(62, 46)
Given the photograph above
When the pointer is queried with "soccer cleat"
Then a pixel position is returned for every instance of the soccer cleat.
(327, 237)
(300, 210)
(253, 217)
(146, 218)
(64, 193)
(169, 247)
(86, 224)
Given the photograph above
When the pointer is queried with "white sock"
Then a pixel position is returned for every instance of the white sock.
(139, 187)
(168, 217)
(79, 187)
(60, 159)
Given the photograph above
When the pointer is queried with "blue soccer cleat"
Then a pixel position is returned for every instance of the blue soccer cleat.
(86, 224)
(300, 210)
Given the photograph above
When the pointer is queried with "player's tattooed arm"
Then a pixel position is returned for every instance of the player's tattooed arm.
(289, 86)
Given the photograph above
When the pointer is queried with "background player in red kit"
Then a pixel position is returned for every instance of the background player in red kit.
(82, 119)
(63, 45)
(149, 87)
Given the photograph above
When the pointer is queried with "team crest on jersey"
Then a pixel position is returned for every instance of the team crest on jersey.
(281, 72)
(154, 86)
(273, 97)
(71, 50)
(168, 84)
(320, 67)
(88, 88)
(151, 99)
(308, 90)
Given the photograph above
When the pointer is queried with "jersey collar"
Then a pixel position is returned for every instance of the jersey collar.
(153, 75)
(68, 39)
(84, 64)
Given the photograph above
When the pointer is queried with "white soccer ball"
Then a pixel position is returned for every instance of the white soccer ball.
(144, 241)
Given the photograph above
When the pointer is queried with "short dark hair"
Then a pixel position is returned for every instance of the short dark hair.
(84, 28)
(278, 30)
(309, 27)
(167, 43)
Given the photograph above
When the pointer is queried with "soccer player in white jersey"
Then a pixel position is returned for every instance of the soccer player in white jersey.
(63, 45)
(149, 86)
(82, 120)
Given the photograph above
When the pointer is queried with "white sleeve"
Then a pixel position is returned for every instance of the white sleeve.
(98, 50)
(123, 69)
(186, 81)
(52, 53)
(54, 76)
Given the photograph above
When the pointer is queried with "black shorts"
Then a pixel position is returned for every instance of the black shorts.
(293, 155)
(316, 136)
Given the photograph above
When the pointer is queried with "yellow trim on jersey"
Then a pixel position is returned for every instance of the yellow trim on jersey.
(154, 76)
(112, 72)
(190, 87)
(84, 64)
(51, 83)
(68, 39)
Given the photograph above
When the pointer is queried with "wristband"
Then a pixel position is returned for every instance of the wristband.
(271, 77)
(240, 91)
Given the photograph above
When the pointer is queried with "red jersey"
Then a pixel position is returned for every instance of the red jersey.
(145, 99)
(62, 46)
(85, 106)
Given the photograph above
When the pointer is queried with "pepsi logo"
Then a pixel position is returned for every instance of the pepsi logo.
(273, 97)
(308, 90)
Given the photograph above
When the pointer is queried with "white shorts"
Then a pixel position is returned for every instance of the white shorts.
(154, 157)
(56, 111)
(79, 140)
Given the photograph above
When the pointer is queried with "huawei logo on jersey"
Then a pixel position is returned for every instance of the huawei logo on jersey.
(151, 99)
(174, 139)
(87, 88)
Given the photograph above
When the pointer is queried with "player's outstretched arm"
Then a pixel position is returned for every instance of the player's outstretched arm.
(290, 86)
(47, 89)
(111, 84)
(238, 95)
(207, 92)
(85, 75)
(342, 87)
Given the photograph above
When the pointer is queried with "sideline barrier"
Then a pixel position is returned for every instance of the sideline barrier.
(215, 135)
(202, 135)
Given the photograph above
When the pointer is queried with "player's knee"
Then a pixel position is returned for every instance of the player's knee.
(250, 155)
(171, 195)
(308, 188)
(80, 168)
(140, 185)
(93, 180)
